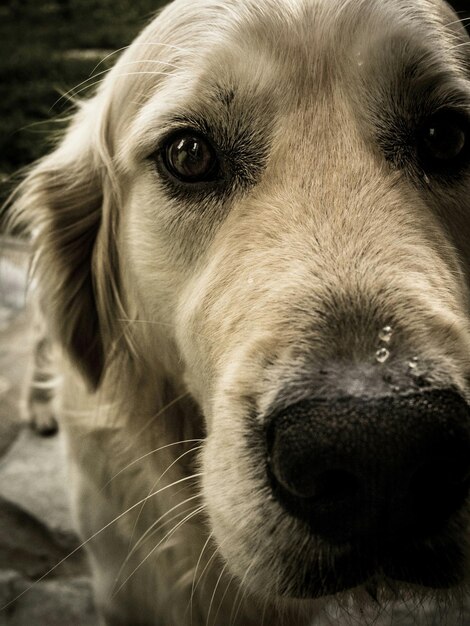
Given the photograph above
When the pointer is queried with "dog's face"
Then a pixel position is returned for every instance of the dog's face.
(281, 189)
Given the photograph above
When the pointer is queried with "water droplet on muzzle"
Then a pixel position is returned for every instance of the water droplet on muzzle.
(382, 355)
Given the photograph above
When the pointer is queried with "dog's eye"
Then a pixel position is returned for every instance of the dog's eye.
(443, 139)
(190, 158)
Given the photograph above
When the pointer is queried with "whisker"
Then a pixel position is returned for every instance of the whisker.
(222, 572)
(136, 44)
(161, 45)
(72, 95)
(459, 21)
(461, 45)
(93, 76)
(232, 578)
(62, 120)
(193, 588)
(165, 538)
(89, 86)
(160, 412)
(156, 483)
(214, 554)
(147, 454)
(234, 613)
(73, 91)
(108, 56)
(153, 528)
(93, 536)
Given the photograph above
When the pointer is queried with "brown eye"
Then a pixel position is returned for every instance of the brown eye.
(190, 158)
(443, 139)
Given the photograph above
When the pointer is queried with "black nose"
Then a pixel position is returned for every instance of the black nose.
(384, 467)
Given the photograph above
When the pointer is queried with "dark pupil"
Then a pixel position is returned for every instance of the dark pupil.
(191, 158)
(444, 138)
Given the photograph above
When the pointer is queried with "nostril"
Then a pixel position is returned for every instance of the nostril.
(445, 481)
(336, 484)
(329, 485)
(316, 485)
(440, 471)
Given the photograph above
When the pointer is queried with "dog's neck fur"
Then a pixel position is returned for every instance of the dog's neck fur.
(165, 577)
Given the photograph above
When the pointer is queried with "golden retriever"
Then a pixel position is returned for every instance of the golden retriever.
(252, 245)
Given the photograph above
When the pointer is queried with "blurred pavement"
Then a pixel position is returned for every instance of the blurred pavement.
(36, 530)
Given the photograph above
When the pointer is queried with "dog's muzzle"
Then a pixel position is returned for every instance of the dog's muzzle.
(384, 468)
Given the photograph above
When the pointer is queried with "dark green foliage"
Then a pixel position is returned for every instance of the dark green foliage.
(36, 38)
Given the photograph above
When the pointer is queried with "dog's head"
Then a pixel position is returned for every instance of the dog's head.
(280, 190)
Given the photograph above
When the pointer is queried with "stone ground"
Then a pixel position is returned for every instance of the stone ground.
(36, 532)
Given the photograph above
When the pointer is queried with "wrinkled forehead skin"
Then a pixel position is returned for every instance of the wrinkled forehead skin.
(314, 88)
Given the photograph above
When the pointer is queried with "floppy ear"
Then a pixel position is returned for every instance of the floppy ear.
(70, 203)
(66, 202)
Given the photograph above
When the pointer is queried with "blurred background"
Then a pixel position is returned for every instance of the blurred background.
(52, 51)
(47, 48)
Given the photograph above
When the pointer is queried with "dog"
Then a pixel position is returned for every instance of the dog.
(252, 247)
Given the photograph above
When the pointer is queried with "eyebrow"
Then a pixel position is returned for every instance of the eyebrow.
(417, 83)
(204, 119)
(224, 95)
